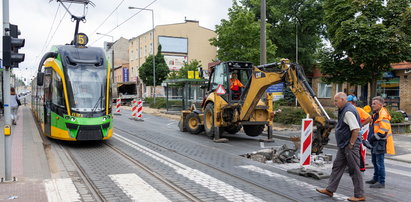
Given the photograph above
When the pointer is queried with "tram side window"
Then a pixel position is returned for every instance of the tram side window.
(58, 94)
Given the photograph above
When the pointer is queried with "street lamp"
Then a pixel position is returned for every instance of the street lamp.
(154, 63)
(112, 58)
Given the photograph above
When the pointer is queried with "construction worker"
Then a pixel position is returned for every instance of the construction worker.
(348, 154)
(365, 119)
(235, 86)
(381, 140)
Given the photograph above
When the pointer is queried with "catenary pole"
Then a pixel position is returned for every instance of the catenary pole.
(6, 101)
(263, 41)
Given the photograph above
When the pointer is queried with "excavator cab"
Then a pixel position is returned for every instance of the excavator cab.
(233, 78)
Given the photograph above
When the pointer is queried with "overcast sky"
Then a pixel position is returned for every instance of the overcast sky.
(43, 23)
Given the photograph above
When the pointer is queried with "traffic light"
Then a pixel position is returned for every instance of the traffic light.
(11, 46)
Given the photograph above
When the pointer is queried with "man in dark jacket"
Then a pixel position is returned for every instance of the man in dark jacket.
(382, 141)
(348, 154)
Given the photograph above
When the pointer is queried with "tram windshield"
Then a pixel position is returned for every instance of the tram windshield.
(88, 86)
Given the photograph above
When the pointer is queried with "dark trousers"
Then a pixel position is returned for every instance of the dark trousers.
(379, 168)
(351, 158)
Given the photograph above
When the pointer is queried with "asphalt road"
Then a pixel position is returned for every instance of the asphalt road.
(153, 155)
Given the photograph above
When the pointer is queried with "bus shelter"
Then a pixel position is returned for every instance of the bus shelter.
(182, 93)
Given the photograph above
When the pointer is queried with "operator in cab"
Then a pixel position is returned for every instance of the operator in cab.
(235, 86)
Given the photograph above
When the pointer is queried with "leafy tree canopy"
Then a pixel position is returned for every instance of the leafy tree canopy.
(239, 37)
(161, 68)
(288, 17)
(183, 72)
(369, 34)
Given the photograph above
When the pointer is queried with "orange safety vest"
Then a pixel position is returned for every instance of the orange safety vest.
(363, 114)
(382, 125)
(235, 84)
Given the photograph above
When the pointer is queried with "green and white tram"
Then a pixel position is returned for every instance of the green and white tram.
(71, 94)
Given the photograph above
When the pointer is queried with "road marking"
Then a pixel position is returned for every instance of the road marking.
(171, 123)
(61, 190)
(296, 182)
(205, 180)
(398, 172)
(136, 188)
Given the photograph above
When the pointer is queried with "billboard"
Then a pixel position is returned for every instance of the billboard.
(175, 63)
(173, 44)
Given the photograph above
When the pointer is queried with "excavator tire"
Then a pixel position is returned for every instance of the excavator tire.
(253, 130)
(192, 123)
(209, 120)
(233, 129)
(181, 126)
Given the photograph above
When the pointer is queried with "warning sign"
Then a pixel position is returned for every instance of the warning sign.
(220, 90)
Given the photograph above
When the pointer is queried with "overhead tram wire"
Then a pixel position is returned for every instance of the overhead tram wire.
(54, 33)
(104, 21)
(51, 28)
(123, 22)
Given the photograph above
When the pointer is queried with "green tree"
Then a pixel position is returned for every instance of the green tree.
(239, 37)
(191, 66)
(291, 17)
(366, 36)
(183, 72)
(146, 70)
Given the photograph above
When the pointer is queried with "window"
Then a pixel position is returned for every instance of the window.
(141, 50)
(338, 88)
(219, 77)
(145, 50)
(324, 90)
(58, 94)
(132, 53)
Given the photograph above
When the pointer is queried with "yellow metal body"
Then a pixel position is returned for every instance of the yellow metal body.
(254, 111)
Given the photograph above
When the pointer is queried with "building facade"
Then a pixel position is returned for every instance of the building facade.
(394, 87)
(181, 42)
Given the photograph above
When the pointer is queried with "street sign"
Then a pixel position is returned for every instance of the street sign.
(276, 88)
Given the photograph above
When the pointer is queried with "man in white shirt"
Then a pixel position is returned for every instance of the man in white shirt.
(348, 154)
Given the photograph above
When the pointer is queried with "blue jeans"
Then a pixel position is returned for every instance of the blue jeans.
(379, 168)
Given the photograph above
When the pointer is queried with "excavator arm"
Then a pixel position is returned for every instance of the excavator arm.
(293, 76)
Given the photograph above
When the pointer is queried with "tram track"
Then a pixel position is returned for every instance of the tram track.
(47, 145)
(139, 164)
(240, 178)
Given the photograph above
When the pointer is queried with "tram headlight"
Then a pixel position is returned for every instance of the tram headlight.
(104, 118)
(72, 119)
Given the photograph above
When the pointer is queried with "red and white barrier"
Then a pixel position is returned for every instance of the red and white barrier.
(134, 109)
(140, 110)
(306, 142)
(118, 104)
(365, 130)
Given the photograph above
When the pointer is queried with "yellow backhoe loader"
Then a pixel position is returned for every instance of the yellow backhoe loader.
(229, 108)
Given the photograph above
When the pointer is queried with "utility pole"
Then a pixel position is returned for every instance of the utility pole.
(6, 93)
(154, 58)
(263, 41)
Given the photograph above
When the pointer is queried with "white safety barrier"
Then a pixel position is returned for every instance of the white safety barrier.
(306, 142)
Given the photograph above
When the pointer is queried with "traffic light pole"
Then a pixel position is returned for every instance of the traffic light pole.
(6, 101)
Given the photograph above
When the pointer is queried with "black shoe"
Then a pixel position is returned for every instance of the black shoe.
(371, 181)
(377, 185)
(14, 122)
